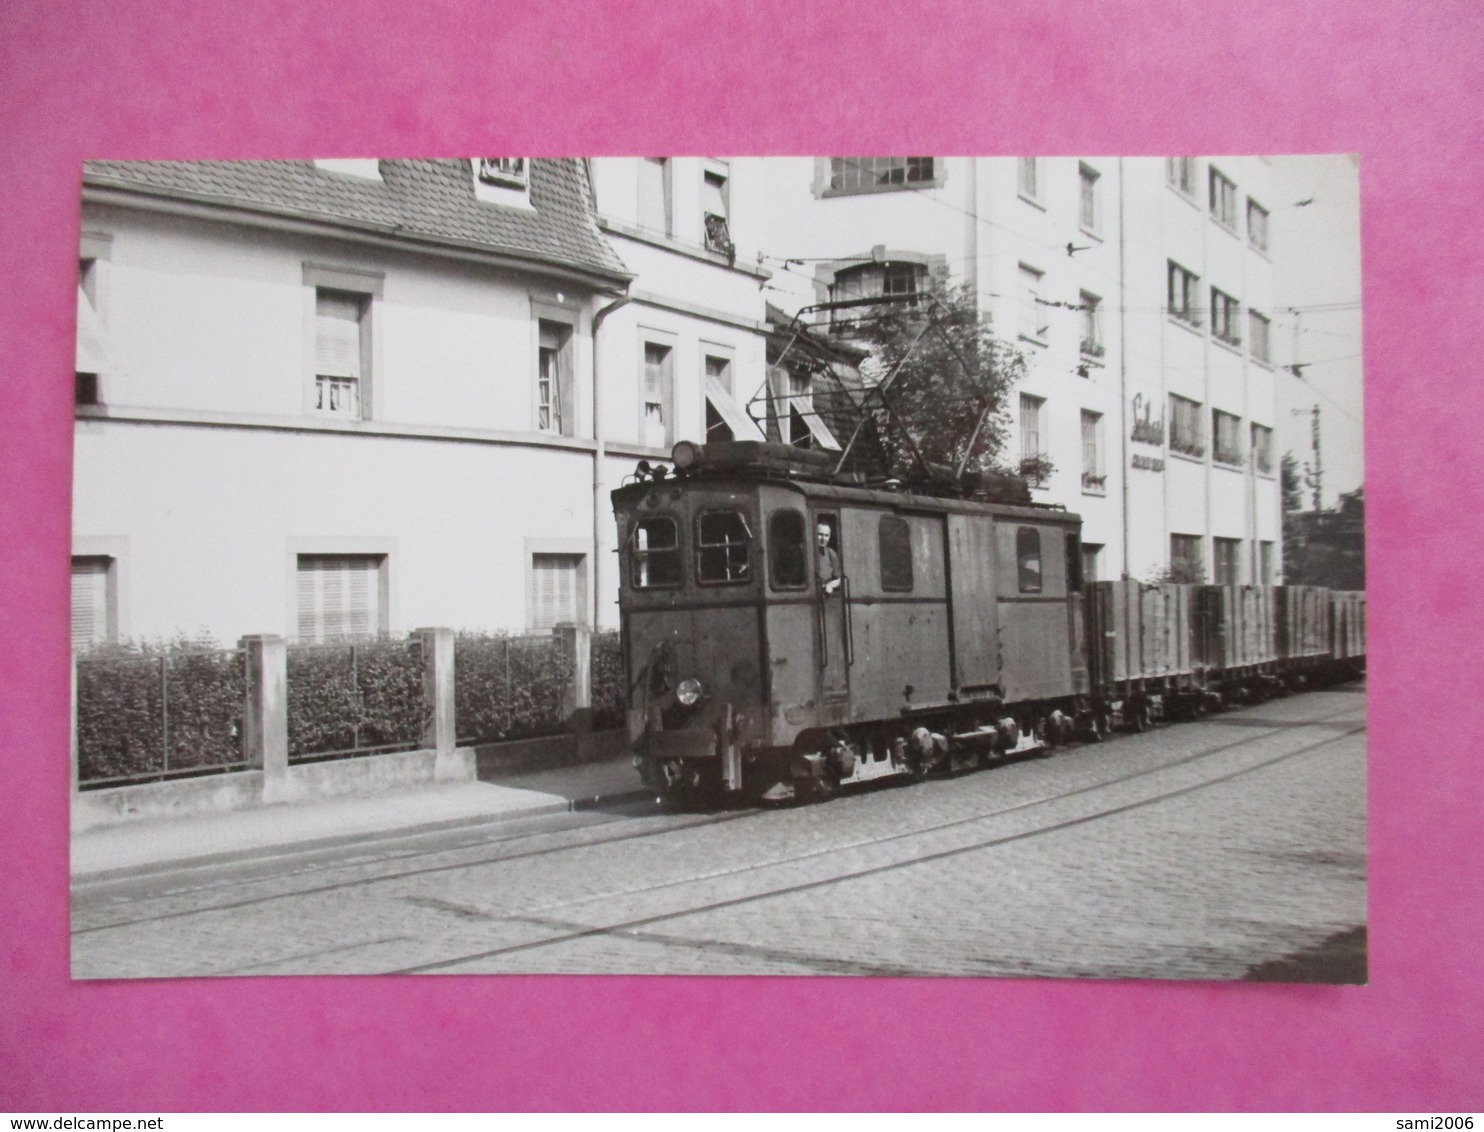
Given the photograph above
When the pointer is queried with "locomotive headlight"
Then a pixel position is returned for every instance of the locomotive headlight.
(688, 692)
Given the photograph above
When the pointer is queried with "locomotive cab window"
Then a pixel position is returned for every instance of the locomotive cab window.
(1028, 559)
(787, 554)
(894, 538)
(654, 554)
(723, 546)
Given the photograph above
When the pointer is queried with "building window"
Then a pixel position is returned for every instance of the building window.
(555, 409)
(1186, 434)
(1032, 446)
(341, 596)
(1266, 560)
(658, 390)
(507, 172)
(1226, 318)
(94, 602)
(90, 336)
(1184, 294)
(872, 280)
(1262, 449)
(1092, 325)
(1227, 553)
(1257, 225)
(723, 543)
(1226, 438)
(1090, 554)
(1035, 319)
(716, 212)
(894, 541)
(1090, 215)
(871, 174)
(654, 195)
(1259, 336)
(1094, 478)
(654, 554)
(787, 557)
(558, 590)
(340, 350)
(1028, 178)
(1180, 174)
(1223, 200)
(1028, 559)
(718, 370)
(1186, 563)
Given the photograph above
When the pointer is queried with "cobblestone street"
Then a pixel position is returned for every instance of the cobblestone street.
(1197, 851)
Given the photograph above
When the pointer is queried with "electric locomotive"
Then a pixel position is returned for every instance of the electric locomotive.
(785, 634)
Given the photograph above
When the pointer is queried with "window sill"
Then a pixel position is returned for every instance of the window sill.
(1230, 465)
(1099, 492)
(1264, 252)
(1188, 198)
(1032, 201)
(1229, 229)
(1090, 233)
(1175, 454)
(1261, 363)
(1229, 346)
(1034, 341)
(671, 244)
(1195, 328)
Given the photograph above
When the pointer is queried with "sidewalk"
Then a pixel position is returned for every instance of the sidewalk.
(245, 834)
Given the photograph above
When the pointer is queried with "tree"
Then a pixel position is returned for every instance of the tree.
(1292, 483)
(943, 386)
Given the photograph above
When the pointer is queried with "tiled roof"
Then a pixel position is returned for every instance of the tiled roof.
(424, 200)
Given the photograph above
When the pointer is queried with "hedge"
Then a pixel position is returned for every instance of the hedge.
(509, 687)
(346, 698)
(129, 695)
(609, 701)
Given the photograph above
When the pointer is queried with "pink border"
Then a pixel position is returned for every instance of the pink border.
(1396, 81)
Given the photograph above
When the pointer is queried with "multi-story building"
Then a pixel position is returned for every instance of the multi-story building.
(1139, 291)
(326, 398)
(681, 359)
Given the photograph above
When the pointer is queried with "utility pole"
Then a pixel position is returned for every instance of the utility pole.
(1315, 471)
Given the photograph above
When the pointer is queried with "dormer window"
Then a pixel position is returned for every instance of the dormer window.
(507, 172)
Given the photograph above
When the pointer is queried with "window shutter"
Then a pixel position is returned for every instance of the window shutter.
(338, 337)
(89, 602)
(339, 596)
(555, 596)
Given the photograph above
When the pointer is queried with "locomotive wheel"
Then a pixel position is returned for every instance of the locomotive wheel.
(1141, 719)
(1097, 727)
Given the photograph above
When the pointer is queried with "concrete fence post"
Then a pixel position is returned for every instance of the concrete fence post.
(74, 726)
(577, 648)
(440, 721)
(265, 716)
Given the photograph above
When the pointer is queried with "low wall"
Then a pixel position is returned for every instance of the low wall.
(520, 756)
(241, 790)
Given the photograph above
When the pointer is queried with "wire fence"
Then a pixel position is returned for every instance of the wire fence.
(346, 700)
(157, 714)
(163, 712)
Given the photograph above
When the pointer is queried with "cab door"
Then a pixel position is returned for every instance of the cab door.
(832, 617)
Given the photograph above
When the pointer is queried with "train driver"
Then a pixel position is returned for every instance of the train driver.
(827, 562)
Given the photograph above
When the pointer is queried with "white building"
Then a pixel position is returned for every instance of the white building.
(683, 357)
(1140, 291)
(338, 397)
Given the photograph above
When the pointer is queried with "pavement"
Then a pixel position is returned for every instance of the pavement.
(142, 846)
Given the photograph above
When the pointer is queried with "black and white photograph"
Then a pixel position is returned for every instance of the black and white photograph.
(883, 566)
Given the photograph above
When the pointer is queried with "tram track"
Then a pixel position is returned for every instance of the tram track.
(1255, 734)
(638, 927)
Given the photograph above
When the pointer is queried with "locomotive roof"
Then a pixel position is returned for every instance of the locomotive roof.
(847, 494)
